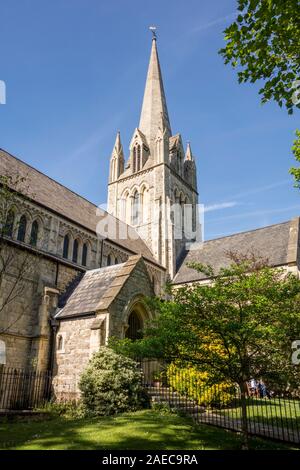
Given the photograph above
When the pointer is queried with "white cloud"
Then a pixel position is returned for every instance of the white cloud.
(261, 189)
(210, 24)
(218, 206)
(258, 213)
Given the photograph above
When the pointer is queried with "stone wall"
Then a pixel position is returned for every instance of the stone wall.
(73, 357)
(24, 322)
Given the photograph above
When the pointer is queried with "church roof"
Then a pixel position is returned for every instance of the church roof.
(61, 200)
(97, 289)
(277, 243)
(154, 114)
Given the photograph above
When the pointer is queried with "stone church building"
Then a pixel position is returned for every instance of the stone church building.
(88, 270)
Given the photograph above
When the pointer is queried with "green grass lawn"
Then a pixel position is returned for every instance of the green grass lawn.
(278, 412)
(147, 430)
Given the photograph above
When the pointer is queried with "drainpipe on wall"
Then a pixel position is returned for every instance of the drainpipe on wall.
(53, 330)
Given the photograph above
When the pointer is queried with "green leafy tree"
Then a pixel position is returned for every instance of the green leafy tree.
(239, 326)
(296, 151)
(264, 42)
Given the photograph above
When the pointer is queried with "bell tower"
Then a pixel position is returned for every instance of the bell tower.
(156, 191)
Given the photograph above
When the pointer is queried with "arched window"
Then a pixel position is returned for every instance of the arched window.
(134, 159)
(135, 208)
(116, 261)
(75, 251)
(2, 352)
(9, 224)
(34, 233)
(22, 229)
(66, 246)
(84, 255)
(138, 158)
(135, 326)
(108, 260)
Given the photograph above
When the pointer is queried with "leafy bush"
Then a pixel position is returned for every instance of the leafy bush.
(66, 409)
(162, 408)
(189, 382)
(111, 384)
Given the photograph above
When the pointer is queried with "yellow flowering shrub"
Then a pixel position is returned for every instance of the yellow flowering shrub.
(191, 383)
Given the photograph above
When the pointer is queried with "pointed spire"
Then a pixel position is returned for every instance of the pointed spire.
(189, 153)
(116, 160)
(154, 113)
(118, 148)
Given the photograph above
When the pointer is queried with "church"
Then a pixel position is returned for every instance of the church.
(87, 271)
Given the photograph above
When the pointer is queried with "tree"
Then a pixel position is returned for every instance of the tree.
(16, 266)
(264, 42)
(239, 326)
(296, 151)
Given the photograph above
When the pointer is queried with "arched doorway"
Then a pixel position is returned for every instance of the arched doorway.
(135, 326)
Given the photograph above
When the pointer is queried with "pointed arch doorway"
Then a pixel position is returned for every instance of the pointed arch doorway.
(136, 318)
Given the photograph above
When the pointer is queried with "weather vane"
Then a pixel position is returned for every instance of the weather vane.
(153, 31)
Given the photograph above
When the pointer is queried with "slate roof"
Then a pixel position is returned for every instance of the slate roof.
(56, 197)
(97, 289)
(270, 242)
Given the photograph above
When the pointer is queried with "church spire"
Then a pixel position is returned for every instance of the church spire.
(116, 160)
(189, 154)
(118, 148)
(154, 113)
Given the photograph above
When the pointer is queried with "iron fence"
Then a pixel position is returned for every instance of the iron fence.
(272, 414)
(23, 389)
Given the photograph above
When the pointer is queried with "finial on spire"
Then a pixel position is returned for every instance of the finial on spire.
(153, 31)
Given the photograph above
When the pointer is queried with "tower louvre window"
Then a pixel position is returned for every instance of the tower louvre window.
(134, 159)
(138, 164)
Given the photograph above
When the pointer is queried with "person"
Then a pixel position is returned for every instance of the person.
(262, 390)
(253, 388)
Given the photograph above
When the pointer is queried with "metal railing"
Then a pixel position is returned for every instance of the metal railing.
(23, 389)
(274, 415)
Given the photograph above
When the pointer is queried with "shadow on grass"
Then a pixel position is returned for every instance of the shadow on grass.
(146, 430)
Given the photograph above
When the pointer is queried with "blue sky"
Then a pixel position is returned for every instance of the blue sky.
(75, 72)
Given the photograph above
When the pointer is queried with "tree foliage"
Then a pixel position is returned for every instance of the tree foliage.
(111, 384)
(264, 42)
(239, 326)
(296, 151)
